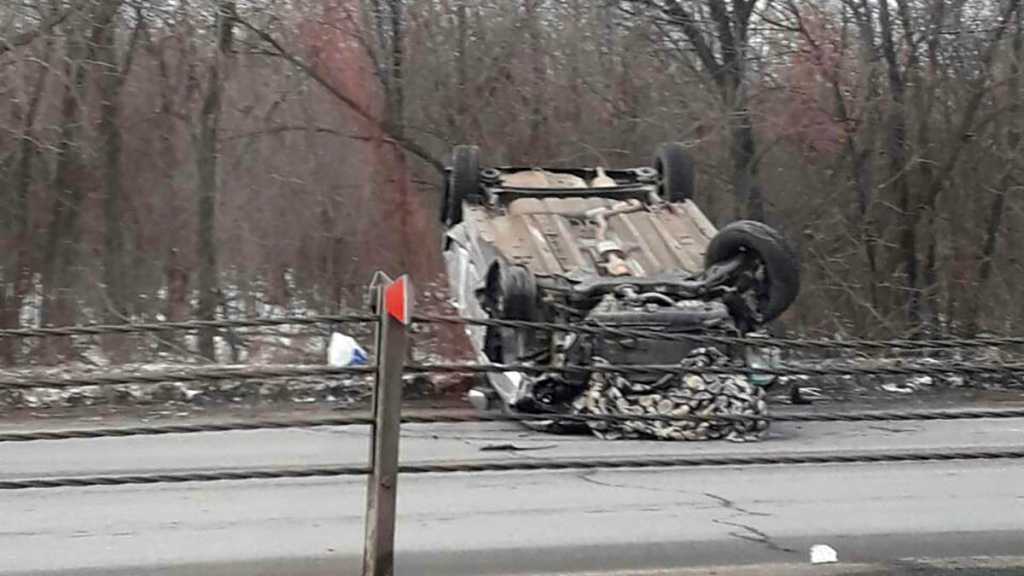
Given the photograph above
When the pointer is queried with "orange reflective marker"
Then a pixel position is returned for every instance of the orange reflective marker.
(397, 300)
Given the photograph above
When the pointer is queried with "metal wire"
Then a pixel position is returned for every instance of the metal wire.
(190, 325)
(98, 329)
(193, 375)
(947, 368)
(177, 478)
(862, 344)
(524, 465)
(366, 419)
(712, 460)
(162, 429)
(30, 380)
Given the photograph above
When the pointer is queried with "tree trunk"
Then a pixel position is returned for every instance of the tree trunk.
(177, 289)
(749, 197)
(60, 248)
(206, 165)
(1010, 178)
(921, 103)
(396, 88)
(459, 124)
(861, 148)
(897, 152)
(732, 40)
(114, 273)
(176, 307)
(17, 285)
(863, 182)
(380, 27)
(575, 70)
(537, 90)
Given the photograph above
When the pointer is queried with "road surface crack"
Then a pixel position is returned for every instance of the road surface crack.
(589, 478)
(754, 535)
(730, 505)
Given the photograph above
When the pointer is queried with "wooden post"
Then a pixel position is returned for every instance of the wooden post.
(392, 345)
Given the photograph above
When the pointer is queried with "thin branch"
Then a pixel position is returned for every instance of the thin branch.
(356, 107)
(298, 128)
(44, 27)
(133, 43)
(682, 17)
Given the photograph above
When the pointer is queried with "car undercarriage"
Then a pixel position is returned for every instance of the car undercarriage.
(610, 269)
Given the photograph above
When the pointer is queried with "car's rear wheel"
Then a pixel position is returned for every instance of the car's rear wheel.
(676, 172)
(518, 290)
(781, 268)
(511, 295)
(463, 182)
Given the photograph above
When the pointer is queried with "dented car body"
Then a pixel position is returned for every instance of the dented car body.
(624, 249)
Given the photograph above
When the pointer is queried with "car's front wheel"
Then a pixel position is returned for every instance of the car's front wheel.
(676, 172)
(780, 282)
(463, 182)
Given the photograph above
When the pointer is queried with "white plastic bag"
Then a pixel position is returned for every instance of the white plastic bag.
(823, 554)
(345, 351)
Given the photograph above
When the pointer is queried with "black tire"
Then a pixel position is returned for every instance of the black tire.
(519, 293)
(512, 295)
(781, 264)
(463, 181)
(676, 172)
(445, 200)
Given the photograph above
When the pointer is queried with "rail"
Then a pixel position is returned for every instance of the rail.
(392, 321)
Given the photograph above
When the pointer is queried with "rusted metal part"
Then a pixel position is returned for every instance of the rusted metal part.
(596, 236)
(542, 179)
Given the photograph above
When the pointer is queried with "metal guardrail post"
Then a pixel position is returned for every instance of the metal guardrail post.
(393, 307)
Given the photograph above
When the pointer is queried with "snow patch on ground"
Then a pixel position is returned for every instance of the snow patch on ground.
(432, 343)
(342, 390)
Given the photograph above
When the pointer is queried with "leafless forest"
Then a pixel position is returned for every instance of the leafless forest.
(173, 159)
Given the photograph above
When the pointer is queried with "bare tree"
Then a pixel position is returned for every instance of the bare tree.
(49, 22)
(16, 287)
(208, 159)
(61, 250)
(1011, 178)
(207, 162)
(719, 33)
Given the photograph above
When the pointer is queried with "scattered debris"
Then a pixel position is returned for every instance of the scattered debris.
(513, 448)
(705, 396)
(345, 351)
(823, 554)
(907, 387)
(339, 390)
(921, 381)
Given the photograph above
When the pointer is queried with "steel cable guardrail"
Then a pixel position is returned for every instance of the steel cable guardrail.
(187, 325)
(272, 372)
(177, 478)
(366, 419)
(946, 368)
(852, 344)
(525, 465)
(393, 338)
(28, 380)
(902, 344)
(193, 375)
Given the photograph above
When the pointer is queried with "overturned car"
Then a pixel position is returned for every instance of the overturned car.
(616, 268)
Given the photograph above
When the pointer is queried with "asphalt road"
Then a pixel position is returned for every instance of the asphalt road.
(878, 517)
